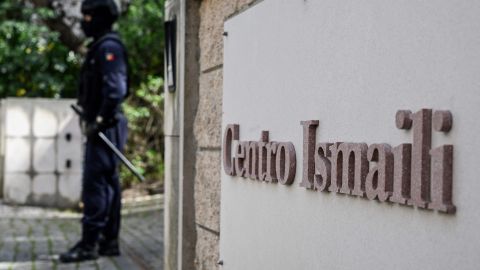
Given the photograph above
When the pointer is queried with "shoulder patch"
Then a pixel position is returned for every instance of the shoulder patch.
(110, 57)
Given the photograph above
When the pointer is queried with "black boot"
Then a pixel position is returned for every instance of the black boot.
(108, 248)
(79, 252)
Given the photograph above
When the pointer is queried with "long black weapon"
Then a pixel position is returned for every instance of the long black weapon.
(112, 147)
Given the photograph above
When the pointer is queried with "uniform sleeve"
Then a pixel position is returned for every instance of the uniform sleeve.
(114, 81)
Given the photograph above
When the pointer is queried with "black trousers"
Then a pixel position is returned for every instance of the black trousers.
(101, 193)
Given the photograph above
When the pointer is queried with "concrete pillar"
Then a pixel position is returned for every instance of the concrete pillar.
(172, 153)
(180, 144)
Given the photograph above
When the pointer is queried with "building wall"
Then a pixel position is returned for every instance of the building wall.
(352, 65)
(274, 219)
(193, 118)
(207, 127)
(180, 144)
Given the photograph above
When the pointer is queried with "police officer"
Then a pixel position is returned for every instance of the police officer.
(103, 87)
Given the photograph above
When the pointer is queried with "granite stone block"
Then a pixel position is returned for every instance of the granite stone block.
(206, 250)
(211, 34)
(207, 189)
(208, 121)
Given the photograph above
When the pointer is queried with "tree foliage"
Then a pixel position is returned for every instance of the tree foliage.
(33, 63)
(142, 31)
(36, 62)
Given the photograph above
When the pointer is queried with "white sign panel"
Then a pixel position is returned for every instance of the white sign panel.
(353, 65)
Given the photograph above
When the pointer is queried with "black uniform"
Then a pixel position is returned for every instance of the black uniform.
(103, 87)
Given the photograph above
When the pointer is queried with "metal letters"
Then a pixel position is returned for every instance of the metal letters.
(263, 160)
(411, 174)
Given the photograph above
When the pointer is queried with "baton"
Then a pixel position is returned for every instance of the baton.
(112, 147)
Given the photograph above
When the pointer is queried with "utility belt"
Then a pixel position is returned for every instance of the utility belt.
(103, 125)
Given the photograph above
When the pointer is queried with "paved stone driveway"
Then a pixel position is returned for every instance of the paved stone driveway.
(33, 238)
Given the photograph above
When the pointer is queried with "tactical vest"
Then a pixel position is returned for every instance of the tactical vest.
(90, 96)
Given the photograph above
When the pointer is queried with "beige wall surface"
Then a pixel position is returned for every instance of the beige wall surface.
(193, 133)
(207, 127)
(351, 65)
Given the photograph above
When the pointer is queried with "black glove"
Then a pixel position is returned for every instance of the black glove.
(100, 124)
(91, 129)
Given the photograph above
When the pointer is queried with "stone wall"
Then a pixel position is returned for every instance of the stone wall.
(207, 127)
(193, 122)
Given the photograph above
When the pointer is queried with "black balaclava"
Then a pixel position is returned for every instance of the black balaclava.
(101, 22)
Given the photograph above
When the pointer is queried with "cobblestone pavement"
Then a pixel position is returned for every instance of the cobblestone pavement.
(32, 238)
